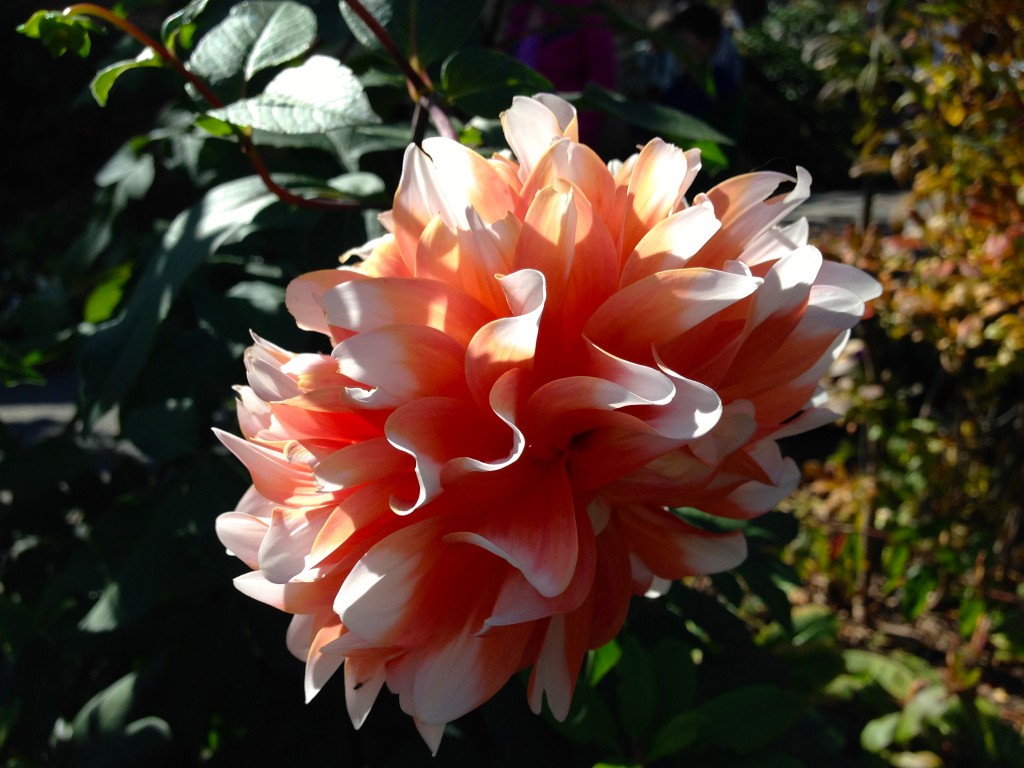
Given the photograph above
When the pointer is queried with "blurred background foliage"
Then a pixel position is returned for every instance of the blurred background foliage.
(879, 618)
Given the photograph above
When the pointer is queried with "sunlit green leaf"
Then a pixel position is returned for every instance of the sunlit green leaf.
(256, 34)
(61, 32)
(105, 297)
(105, 78)
(482, 82)
(603, 661)
(178, 21)
(107, 711)
(321, 95)
(359, 185)
(879, 733)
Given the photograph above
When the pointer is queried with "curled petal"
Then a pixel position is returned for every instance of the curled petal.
(508, 342)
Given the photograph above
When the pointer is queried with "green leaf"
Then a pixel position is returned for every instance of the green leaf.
(214, 126)
(927, 707)
(757, 572)
(677, 734)
(61, 32)
(887, 671)
(105, 78)
(747, 719)
(106, 713)
(636, 688)
(166, 430)
(670, 124)
(115, 352)
(321, 95)
(358, 185)
(677, 675)
(130, 170)
(603, 660)
(424, 32)
(707, 522)
(105, 297)
(255, 35)
(878, 734)
(175, 24)
(483, 82)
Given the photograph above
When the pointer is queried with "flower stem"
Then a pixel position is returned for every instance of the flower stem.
(248, 148)
(420, 88)
(91, 9)
(415, 79)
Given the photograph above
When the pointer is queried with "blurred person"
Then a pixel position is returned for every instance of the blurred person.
(570, 44)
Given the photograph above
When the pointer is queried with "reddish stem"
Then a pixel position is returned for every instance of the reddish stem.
(90, 9)
(415, 78)
(248, 148)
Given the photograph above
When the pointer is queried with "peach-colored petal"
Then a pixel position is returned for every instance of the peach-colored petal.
(532, 125)
(535, 533)
(509, 342)
(660, 177)
(747, 208)
(673, 302)
(304, 294)
(359, 463)
(670, 243)
(399, 363)
(367, 305)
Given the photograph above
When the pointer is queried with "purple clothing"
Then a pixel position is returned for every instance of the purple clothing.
(568, 45)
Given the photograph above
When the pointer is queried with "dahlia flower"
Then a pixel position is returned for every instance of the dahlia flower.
(540, 361)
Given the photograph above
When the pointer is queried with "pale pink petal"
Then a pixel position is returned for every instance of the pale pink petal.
(272, 475)
(364, 677)
(508, 342)
(670, 243)
(320, 667)
(558, 663)
(301, 631)
(672, 302)
(242, 534)
(854, 280)
(282, 554)
(293, 597)
(746, 207)
(532, 125)
(535, 533)
(367, 305)
(360, 463)
(457, 676)
(399, 363)
(304, 294)
(659, 179)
